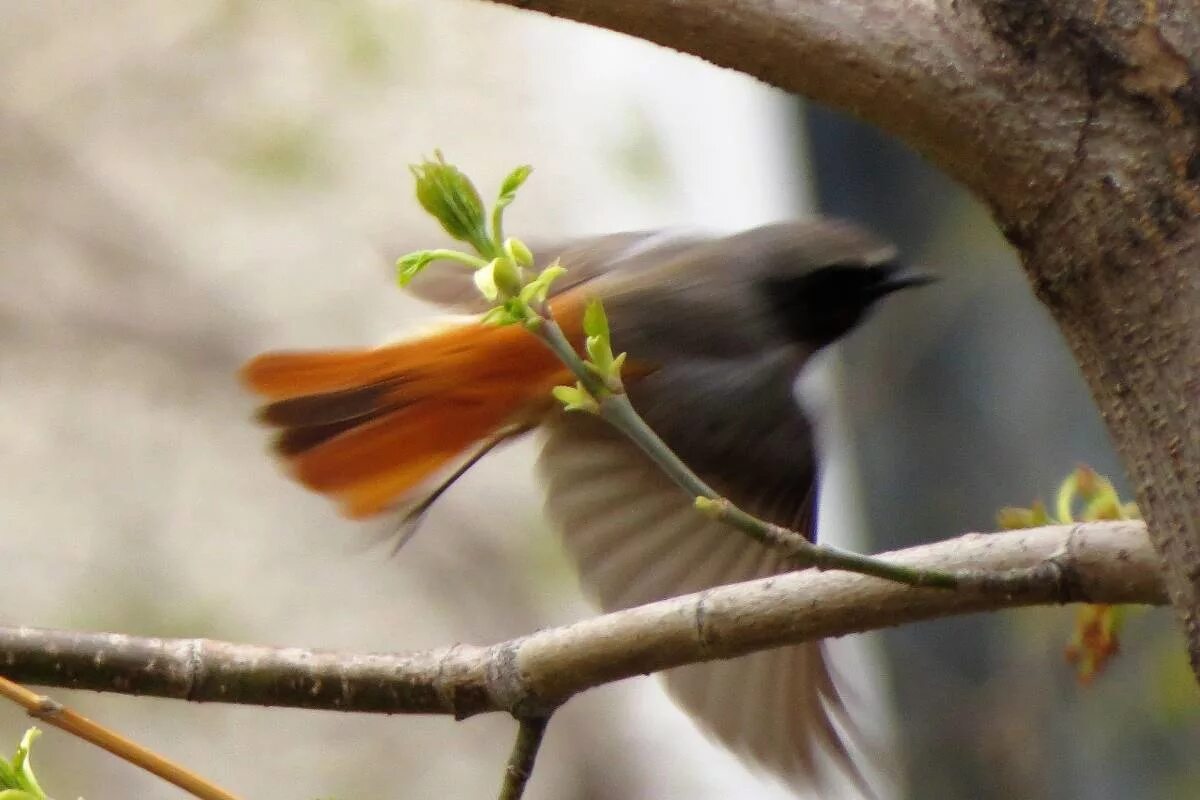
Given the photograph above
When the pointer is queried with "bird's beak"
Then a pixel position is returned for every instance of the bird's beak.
(903, 278)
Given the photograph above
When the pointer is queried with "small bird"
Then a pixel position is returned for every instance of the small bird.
(717, 330)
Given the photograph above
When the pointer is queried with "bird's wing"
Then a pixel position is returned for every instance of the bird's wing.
(636, 538)
(451, 286)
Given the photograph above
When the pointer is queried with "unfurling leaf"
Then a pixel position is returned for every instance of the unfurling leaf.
(501, 315)
(595, 321)
(575, 398)
(485, 282)
(598, 344)
(600, 356)
(1096, 641)
(513, 181)
(538, 289)
(1096, 492)
(409, 266)
(518, 252)
(17, 781)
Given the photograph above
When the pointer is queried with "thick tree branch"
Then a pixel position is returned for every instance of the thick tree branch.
(532, 675)
(927, 71)
(1078, 123)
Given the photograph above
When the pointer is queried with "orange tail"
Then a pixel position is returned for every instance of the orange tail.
(367, 426)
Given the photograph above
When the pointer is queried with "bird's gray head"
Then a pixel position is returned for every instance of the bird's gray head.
(821, 277)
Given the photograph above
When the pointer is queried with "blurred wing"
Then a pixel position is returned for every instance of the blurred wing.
(450, 285)
(636, 538)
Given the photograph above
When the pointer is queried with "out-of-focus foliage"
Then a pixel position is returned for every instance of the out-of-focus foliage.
(1095, 640)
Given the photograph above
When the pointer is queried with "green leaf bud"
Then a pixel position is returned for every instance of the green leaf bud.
(516, 250)
(595, 321)
(507, 276)
(450, 197)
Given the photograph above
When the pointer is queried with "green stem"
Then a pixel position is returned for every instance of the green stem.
(620, 413)
(498, 227)
(823, 556)
(616, 409)
(466, 259)
(546, 329)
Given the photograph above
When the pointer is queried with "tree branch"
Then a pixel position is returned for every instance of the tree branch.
(519, 768)
(532, 675)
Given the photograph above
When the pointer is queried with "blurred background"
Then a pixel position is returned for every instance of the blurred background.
(188, 183)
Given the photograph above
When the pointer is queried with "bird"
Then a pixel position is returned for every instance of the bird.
(717, 329)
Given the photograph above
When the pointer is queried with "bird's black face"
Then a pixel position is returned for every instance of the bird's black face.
(822, 305)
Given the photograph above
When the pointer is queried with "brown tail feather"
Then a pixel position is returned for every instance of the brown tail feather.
(329, 407)
(366, 427)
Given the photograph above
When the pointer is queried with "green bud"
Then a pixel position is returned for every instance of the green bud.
(575, 398)
(449, 196)
(507, 276)
(507, 314)
(595, 321)
(516, 250)
(599, 354)
(1013, 518)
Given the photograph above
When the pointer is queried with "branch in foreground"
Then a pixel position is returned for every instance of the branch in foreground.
(54, 713)
(1109, 562)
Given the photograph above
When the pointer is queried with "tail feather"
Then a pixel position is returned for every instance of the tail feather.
(283, 375)
(341, 405)
(425, 432)
(367, 427)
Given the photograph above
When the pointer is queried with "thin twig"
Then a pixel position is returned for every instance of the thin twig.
(54, 713)
(615, 408)
(524, 752)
